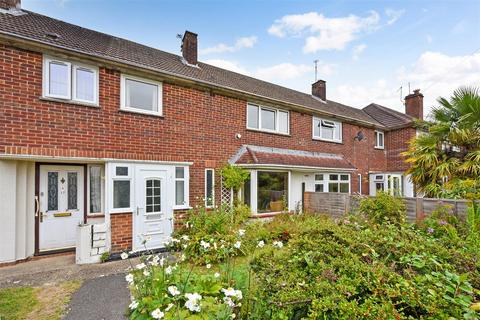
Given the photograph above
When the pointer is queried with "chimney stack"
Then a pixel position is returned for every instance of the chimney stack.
(319, 90)
(10, 4)
(189, 47)
(414, 104)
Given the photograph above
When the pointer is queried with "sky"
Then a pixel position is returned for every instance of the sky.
(367, 51)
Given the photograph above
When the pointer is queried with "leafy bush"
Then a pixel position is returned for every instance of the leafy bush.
(355, 271)
(383, 208)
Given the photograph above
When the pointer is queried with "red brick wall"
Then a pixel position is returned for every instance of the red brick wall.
(121, 231)
(396, 142)
(197, 126)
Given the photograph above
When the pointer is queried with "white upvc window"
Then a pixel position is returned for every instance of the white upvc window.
(379, 140)
(268, 119)
(70, 81)
(181, 188)
(96, 189)
(122, 191)
(140, 95)
(332, 182)
(209, 188)
(328, 130)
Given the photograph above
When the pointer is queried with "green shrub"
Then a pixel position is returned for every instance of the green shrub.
(383, 208)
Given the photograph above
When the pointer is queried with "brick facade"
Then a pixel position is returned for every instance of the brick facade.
(121, 231)
(197, 126)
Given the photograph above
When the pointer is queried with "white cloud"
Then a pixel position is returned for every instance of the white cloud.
(393, 15)
(358, 50)
(241, 43)
(323, 33)
(227, 64)
(440, 74)
(283, 71)
(434, 73)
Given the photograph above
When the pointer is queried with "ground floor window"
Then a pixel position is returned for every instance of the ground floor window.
(332, 182)
(272, 191)
(246, 192)
(209, 188)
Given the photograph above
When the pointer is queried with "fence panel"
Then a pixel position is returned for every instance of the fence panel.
(337, 205)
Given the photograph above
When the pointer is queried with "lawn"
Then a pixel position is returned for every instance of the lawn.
(369, 265)
(45, 302)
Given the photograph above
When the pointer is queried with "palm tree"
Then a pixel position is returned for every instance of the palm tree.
(445, 160)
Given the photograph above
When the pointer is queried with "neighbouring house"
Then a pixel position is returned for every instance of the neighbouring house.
(102, 131)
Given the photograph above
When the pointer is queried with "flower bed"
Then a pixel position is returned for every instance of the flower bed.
(310, 267)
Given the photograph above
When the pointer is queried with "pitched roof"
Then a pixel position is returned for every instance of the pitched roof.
(388, 117)
(266, 156)
(35, 27)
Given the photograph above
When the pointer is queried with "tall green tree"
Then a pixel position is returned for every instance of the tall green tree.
(445, 160)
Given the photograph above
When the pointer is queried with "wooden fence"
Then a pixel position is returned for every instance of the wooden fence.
(337, 204)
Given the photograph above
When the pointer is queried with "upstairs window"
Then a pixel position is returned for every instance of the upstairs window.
(70, 81)
(141, 95)
(267, 119)
(327, 130)
(379, 140)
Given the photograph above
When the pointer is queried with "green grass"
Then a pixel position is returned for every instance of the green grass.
(17, 303)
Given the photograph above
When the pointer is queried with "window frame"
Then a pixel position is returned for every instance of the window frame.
(186, 192)
(326, 181)
(114, 178)
(259, 119)
(123, 93)
(102, 190)
(337, 126)
(72, 82)
(379, 133)
(213, 188)
(77, 66)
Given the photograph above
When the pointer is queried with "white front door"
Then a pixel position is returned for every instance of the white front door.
(61, 198)
(153, 217)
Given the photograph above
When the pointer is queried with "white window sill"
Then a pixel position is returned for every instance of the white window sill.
(269, 131)
(379, 148)
(144, 112)
(326, 140)
(182, 207)
(120, 211)
(69, 101)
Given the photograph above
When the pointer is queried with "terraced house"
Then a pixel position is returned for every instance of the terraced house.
(102, 131)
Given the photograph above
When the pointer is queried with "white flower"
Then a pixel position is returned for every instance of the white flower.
(170, 306)
(278, 244)
(231, 292)
(173, 291)
(229, 302)
(157, 314)
(140, 266)
(175, 240)
(192, 303)
(233, 315)
(129, 278)
(162, 261)
(216, 275)
(237, 244)
(184, 246)
(168, 270)
(215, 245)
(185, 238)
(133, 305)
(208, 266)
(146, 273)
(205, 245)
(124, 255)
(241, 232)
(183, 257)
(261, 244)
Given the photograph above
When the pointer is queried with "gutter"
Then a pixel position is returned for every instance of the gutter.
(15, 38)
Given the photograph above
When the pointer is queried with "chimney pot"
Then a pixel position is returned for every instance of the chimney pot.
(10, 4)
(414, 104)
(190, 47)
(319, 89)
